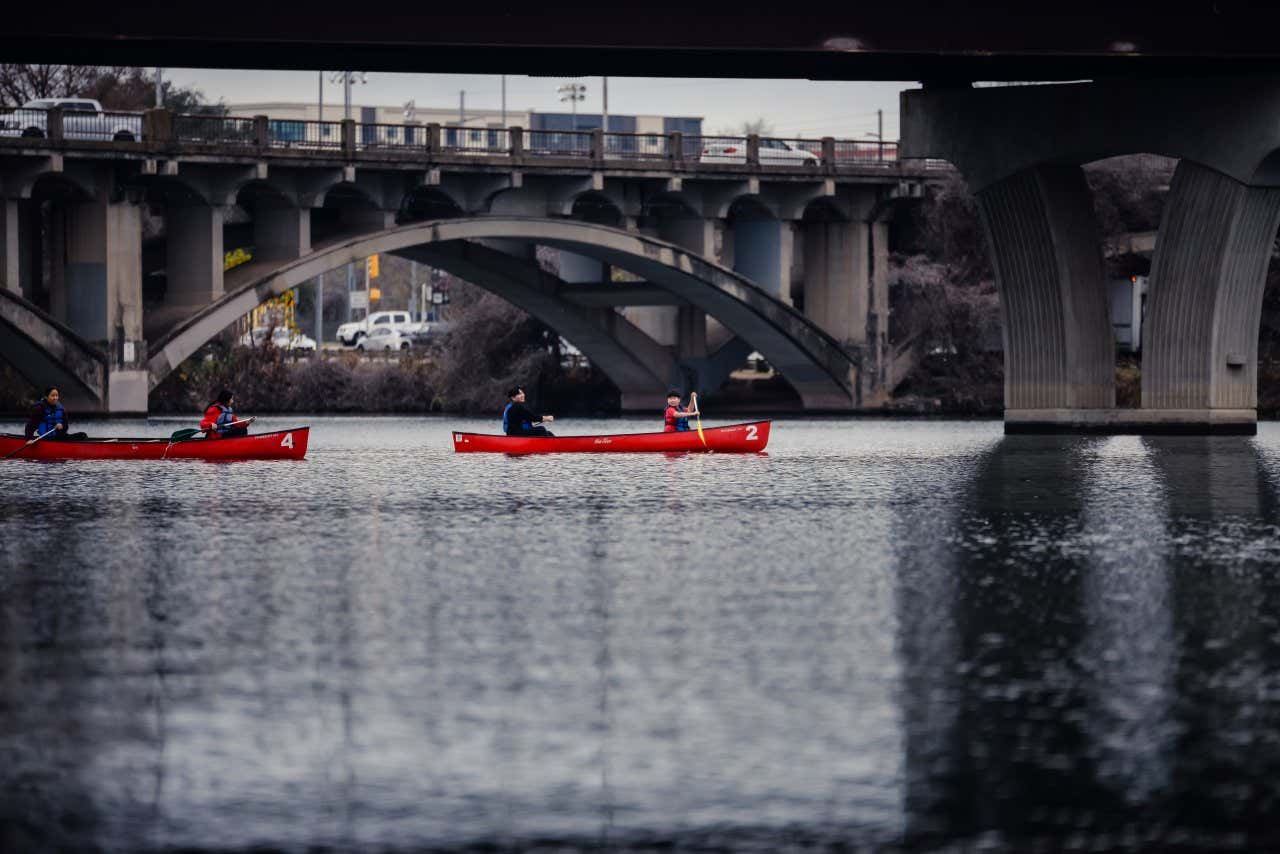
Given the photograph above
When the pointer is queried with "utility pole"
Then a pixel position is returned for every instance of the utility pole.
(604, 118)
(319, 310)
(504, 100)
(462, 106)
(320, 99)
(880, 131)
(159, 88)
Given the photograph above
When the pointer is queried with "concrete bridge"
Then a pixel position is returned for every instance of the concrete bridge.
(1021, 149)
(729, 251)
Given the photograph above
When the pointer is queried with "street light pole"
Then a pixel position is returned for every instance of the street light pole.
(604, 118)
(504, 100)
(159, 88)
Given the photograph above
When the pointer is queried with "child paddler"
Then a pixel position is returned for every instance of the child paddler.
(675, 419)
(517, 420)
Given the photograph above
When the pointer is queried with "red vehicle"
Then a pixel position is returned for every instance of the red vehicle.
(734, 439)
(279, 445)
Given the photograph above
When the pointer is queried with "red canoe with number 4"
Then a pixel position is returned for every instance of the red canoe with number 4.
(734, 439)
(280, 445)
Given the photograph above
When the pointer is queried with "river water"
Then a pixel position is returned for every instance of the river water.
(908, 635)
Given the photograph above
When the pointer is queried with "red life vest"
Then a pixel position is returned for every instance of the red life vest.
(673, 423)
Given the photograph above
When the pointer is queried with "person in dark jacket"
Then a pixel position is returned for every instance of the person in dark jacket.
(48, 416)
(517, 420)
(218, 417)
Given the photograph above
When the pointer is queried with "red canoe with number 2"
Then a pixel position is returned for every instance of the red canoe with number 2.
(734, 439)
(280, 445)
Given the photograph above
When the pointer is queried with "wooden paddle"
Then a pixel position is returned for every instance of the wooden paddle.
(29, 444)
(693, 401)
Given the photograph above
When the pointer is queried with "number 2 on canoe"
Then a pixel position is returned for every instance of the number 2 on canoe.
(287, 441)
(751, 433)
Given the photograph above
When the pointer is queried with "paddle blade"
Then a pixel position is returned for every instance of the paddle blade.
(693, 398)
(184, 434)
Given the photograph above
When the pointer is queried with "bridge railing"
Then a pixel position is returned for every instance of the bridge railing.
(300, 133)
(861, 153)
(473, 140)
(213, 130)
(349, 137)
(637, 146)
(558, 143)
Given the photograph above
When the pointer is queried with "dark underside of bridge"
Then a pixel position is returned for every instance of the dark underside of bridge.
(939, 42)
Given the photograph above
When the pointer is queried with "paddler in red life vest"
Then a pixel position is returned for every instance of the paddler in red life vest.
(219, 416)
(676, 420)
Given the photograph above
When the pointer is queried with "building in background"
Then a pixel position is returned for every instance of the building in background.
(478, 119)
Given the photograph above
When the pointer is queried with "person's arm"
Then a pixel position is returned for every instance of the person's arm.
(66, 422)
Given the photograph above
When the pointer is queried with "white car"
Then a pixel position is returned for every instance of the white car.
(82, 118)
(351, 333)
(775, 151)
(384, 338)
(281, 339)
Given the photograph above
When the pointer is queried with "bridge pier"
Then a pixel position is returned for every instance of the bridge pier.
(1206, 286)
(194, 255)
(1059, 352)
(846, 292)
(96, 289)
(762, 251)
(281, 233)
(1020, 149)
(10, 245)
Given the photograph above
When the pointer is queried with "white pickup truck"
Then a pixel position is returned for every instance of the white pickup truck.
(351, 333)
(82, 118)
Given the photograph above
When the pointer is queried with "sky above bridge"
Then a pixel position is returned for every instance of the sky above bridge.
(792, 107)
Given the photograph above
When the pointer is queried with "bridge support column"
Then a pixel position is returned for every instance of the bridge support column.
(1200, 340)
(281, 234)
(195, 255)
(10, 246)
(1058, 350)
(846, 293)
(97, 291)
(762, 250)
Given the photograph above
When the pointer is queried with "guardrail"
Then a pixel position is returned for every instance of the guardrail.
(348, 138)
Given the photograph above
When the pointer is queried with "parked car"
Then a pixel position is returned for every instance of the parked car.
(281, 339)
(385, 338)
(775, 151)
(351, 333)
(82, 118)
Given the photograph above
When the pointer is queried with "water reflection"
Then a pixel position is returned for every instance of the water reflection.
(898, 636)
(1092, 654)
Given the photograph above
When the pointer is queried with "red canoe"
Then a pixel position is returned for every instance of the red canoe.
(280, 445)
(734, 439)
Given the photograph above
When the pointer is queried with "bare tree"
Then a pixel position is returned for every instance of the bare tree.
(760, 126)
(22, 83)
(119, 87)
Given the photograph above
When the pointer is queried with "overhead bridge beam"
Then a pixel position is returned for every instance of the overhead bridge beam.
(616, 294)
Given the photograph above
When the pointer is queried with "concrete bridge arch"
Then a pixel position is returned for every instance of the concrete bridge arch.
(1021, 150)
(814, 363)
(47, 352)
